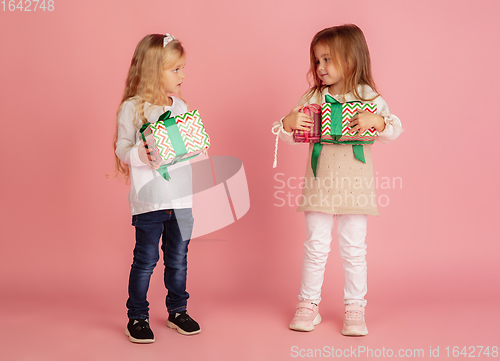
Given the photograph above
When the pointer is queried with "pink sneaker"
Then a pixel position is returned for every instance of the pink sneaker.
(354, 321)
(306, 317)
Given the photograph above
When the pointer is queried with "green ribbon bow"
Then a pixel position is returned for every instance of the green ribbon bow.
(175, 139)
(336, 133)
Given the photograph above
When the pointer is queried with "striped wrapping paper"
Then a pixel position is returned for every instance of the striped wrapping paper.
(314, 133)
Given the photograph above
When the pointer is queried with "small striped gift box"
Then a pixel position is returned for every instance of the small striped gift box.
(313, 135)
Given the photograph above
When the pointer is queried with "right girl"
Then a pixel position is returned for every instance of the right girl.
(344, 186)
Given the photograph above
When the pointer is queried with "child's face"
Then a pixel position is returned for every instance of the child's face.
(174, 76)
(326, 69)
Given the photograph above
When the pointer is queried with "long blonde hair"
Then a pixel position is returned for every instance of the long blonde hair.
(350, 53)
(145, 81)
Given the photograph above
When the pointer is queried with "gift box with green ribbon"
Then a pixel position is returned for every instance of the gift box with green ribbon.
(335, 118)
(174, 139)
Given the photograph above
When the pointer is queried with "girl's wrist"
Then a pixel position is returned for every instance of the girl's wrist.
(387, 119)
(380, 124)
(286, 128)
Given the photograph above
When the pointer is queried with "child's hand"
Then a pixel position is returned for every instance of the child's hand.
(146, 157)
(297, 120)
(365, 120)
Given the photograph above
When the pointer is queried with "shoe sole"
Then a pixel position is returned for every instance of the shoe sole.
(316, 321)
(180, 330)
(355, 332)
(137, 340)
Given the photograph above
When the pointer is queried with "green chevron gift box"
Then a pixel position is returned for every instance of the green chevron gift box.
(174, 139)
(335, 118)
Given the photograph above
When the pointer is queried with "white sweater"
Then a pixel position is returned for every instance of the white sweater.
(148, 190)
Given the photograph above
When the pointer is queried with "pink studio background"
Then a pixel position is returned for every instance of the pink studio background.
(66, 236)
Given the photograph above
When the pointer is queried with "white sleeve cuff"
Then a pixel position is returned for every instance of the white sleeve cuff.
(393, 128)
(283, 128)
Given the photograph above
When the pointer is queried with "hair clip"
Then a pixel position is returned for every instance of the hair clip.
(167, 39)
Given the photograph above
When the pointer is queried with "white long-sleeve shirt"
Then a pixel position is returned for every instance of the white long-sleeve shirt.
(148, 190)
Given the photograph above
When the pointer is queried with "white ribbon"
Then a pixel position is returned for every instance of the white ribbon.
(276, 129)
(167, 39)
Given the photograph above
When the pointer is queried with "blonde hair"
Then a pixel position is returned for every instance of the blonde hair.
(145, 81)
(351, 56)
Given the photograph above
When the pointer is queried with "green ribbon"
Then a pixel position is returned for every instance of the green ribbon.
(336, 117)
(175, 138)
(314, 157)
(336, 133)
(359, 154)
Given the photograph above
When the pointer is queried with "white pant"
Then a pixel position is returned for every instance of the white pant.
(351, 231)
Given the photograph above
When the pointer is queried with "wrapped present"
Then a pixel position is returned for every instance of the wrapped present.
(174, 139)
(335, 119)
(314, 133)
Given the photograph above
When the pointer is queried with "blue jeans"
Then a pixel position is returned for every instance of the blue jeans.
(174, 227)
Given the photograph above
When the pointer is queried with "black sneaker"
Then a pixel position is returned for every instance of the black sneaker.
(183, 323)
(138, 331)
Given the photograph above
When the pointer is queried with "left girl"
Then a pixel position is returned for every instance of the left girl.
(160, 209)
